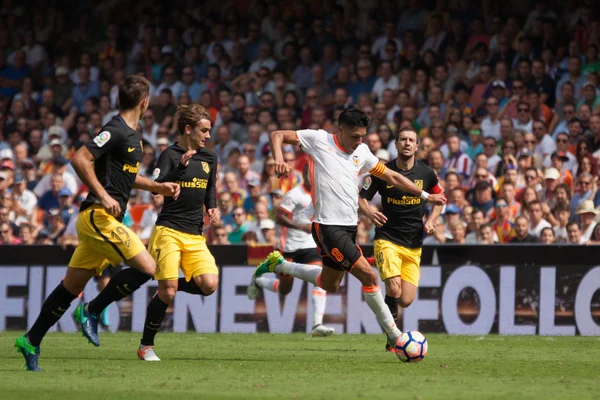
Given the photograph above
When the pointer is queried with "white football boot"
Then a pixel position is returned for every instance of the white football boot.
(322, 330)
(146, 353)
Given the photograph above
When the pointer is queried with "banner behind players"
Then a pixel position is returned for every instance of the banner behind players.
(489, 293)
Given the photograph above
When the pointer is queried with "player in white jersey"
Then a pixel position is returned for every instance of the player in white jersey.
(335, 161)
(294, 215)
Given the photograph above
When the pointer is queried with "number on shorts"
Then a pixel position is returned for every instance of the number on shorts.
(379, 258)
(337, 254)
(119, 233)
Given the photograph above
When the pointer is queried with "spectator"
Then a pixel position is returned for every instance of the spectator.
(490, 125)
(502, 226)
(220, 236)
(6, 234)
(486, 235)
(164, 109)
(574, 234)
(25, 200)
(84, 89)
(547, 236)
(522, 232)
(49, 199)
(536, 218)
(587, 215)
(149, 218)
(240, 226)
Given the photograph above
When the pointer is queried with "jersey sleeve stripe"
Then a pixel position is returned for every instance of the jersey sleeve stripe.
(378, 169)
(313, 184)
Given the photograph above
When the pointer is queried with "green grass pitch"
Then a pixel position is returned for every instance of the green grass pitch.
(263, 366)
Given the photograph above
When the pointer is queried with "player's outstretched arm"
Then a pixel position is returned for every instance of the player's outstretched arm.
(82, 164)
(170, 189)
(277, 139)
(405, 184)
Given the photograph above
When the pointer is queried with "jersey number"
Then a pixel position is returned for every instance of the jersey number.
(337, 254)
(119, 233)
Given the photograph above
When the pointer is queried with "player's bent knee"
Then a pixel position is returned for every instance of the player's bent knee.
(405, 302)
(207, 283)
(330, 287)
(167, 293)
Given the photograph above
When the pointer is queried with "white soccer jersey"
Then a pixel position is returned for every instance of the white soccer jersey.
(334, 176)
(297, 203)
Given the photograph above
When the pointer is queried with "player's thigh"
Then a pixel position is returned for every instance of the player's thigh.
(411, 265)
(388, 259)
(196, 258)
(165, 249)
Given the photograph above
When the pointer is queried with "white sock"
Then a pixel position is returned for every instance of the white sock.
(269, 283)
(375, 301)
(308, 273)
(319, 298)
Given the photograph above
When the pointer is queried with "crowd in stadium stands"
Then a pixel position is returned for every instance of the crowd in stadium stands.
(506, 105)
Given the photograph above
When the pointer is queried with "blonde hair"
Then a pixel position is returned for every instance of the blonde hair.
(190, 115)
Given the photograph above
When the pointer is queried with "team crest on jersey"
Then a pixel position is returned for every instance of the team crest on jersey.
(288, 202)
(155, 174)
(367, 183)
(205, 166)
(355, 160)
(419, 183)
(102, 138)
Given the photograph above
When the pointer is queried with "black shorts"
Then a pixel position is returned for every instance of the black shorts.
(303, 256)
(338, 245)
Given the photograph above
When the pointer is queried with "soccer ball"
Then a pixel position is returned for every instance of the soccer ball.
(411, 347)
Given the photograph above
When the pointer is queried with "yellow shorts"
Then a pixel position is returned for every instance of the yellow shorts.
(102, 241)
(393, 260)
(173, 250)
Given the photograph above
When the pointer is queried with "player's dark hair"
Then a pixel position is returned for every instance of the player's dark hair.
(132, 91)
(407, 129)
(354, 118)
(190, 115)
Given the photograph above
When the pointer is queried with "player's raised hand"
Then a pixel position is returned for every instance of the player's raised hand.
(437, 198)
(378, 219)
(111, 206)
(185, 158)
(282, 169)
(170, 189)
(214, 215)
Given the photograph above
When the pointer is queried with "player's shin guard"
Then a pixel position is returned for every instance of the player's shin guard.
(53, 309)
(155, 313)
(392, 303)
(121, 285)
(375, 302)
(308, 273)
(319, 298)
(269, 283)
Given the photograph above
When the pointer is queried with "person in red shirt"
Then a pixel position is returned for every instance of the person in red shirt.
(502, 226)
